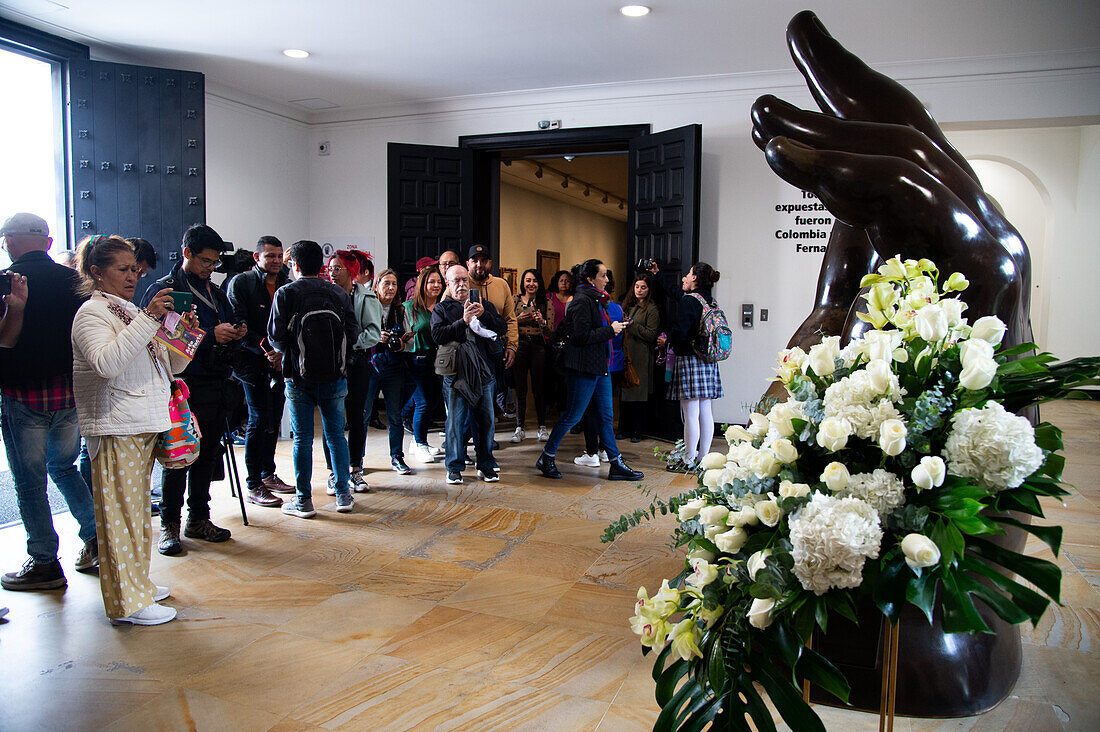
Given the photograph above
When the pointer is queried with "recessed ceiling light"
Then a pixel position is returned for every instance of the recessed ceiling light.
(634, 11)
(296, 53)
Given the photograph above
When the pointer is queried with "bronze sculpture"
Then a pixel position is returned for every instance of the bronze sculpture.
(879, 162)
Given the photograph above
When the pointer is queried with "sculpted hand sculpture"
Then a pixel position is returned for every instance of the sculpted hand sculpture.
(879, 162)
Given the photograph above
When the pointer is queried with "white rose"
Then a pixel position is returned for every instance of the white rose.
(781, 416)
(787, 489)
(835, 476)
(822, 358)
(785, 451)
(764, 464)
(953, 308)
(878, 345)
(974, 350)
(690, 509)
(756, 562)
(931, 323)
(745, 517)
(833, 433)
(758, 425)
(978, 374)
(768, 512)
(711, 478)
(929, 473)
(920, 551)
(714, 515)
(731, 541)
(989, 329)
(737, 433)
(879, 375)
(712, 460)
(891, 436)
(701, 553)
(760, 613)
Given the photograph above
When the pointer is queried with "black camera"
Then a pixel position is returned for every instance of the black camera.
(645, 264)
(394, 343)
(235, 262)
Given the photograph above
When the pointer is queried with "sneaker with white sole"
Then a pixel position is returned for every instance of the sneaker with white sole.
(149, 615)
(454, 478)
(436, 451)
(423, 453)
(518, 436)
(544, 434)
(345, 502)
(162, 593)
(298, 508)
(330, 489)
(358, 482)
(89, 556)
(588, 461)
(488, 475)
(603, 457)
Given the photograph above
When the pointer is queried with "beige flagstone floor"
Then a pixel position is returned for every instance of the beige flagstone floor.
(475, 607)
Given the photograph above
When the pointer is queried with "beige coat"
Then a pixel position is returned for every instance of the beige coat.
(118, 389)
(640, 339)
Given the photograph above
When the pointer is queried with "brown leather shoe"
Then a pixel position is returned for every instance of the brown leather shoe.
(275, 484)
(261, 496)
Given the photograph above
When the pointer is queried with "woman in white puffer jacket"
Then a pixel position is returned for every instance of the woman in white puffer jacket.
(122, 383)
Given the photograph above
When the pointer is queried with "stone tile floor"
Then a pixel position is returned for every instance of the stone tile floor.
(469, 607)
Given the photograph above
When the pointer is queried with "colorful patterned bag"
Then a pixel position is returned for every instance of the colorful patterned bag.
(179, 446)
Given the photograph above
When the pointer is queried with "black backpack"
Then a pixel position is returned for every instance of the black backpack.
(318, 327)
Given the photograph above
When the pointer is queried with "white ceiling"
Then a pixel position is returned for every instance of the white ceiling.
(376, 52)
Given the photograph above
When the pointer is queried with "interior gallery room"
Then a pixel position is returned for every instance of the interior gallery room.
(893, 196)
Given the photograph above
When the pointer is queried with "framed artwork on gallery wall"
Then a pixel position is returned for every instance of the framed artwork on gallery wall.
(509, 274)
(547, 264)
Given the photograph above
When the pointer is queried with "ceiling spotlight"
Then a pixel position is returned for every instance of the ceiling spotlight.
(296, 53)
(634, 11)
(620, 205)
(605, 198)
(538, 173)
(569, 158)
(586, 191)
(565, 183)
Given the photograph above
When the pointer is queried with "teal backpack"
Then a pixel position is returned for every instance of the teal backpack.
(714, 341)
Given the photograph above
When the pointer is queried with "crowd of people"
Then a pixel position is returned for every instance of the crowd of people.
(85, 370)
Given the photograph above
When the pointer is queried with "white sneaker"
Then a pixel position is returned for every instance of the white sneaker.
(588, 461)
(518, 436)
(603, 457)
(424, 454)
(149, 615)
(330, 489)
(162, 593)
(544, 434)
(436, 451)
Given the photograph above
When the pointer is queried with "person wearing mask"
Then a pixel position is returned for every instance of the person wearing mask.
(207, 378)
(429, 388)
(389, 365)
(644, 315)
(37, 409)
(343, 268)
(695, 383)
(533, 317)
(122, 378)
(587, 369)
(260, 370)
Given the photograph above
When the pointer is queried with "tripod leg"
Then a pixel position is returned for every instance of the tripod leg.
(231, 472)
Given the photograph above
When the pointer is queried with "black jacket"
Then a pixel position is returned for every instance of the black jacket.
(283, 309)
(212, 359)
(248, 296)
(45, 347)
(448, 325)
(589, 347)
(684, 329)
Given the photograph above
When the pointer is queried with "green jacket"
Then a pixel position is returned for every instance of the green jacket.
(368, 311)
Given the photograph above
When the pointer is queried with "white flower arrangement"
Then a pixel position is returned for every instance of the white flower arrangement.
(831, 539)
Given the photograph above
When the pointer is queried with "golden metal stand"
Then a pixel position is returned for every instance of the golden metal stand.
(889, 677)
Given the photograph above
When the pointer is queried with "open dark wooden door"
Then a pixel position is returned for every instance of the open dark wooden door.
(663, 193)
(431, 203)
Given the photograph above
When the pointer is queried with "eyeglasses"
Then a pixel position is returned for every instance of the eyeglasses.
(209, 263)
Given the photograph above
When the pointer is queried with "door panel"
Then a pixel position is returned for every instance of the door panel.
(431, 195)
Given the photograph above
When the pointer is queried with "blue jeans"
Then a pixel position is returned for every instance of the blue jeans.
(302, 399)
(38, 443)
(392, 382)
(583, 388)
(425, 397)
(482, 415)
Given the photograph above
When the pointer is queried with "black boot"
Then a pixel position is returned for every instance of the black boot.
(546, 466)
(618, 470)
(169, 543)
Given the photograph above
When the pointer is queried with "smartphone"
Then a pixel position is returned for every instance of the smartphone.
(181, 301)
(475, 295)
(5, 283)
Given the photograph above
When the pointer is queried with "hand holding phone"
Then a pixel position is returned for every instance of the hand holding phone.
(475, 296)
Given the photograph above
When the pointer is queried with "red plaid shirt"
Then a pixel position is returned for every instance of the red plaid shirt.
(48, 395)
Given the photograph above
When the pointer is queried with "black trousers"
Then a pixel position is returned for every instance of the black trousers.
(530, 358)
(209, 402)
(265, 400)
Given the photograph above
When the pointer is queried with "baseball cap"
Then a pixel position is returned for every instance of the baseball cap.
(425, 262)
(477, 249)
(25, 224)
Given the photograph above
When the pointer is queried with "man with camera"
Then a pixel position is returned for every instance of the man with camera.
(260, 370)
(313, 326)
(37, 409)
(207, 378)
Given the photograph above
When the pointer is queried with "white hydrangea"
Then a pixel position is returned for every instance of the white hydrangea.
(865, 407)
(993, 446)
(881, 488)
(832, 538)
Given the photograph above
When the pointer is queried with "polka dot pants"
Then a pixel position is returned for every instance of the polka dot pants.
(120, 485)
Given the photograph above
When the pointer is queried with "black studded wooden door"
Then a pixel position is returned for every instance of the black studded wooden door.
(138, 154)
(431, 203)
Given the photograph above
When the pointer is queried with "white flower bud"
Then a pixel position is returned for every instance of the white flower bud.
(768, 512)
(760, 613)
(756, 562)
(785, 451)
(833, 433)
(891, 436)
(712, 460)
(714, 515)
(879, 373)
(835, 476)
(920, 551)
(931, 323)
(989, 329)
(978, 374)
(745, 517)
(731, 541)
(787, 489)
(690, 509)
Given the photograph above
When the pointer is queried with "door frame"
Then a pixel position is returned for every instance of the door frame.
(488, 151)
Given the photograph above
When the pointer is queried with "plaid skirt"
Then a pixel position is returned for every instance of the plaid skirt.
(694, 379)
